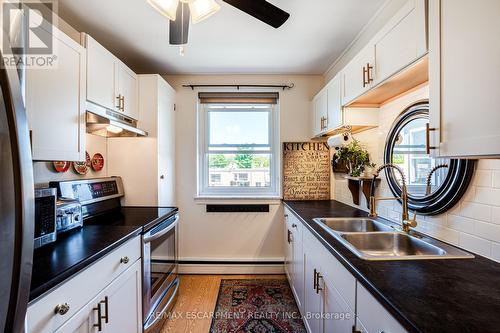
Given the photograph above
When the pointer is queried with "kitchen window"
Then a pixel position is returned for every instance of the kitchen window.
(239, 155)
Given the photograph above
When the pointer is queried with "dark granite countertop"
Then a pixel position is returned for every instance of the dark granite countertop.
(456, 295)
(74, 251)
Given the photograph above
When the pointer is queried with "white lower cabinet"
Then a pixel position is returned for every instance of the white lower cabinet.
(114, 310)
(294, 261)
(373, 317)
(111, 287)
(332, 300)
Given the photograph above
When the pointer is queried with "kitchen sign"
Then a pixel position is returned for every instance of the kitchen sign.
(306, 171)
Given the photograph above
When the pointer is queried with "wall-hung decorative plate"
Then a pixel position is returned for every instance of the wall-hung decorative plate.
(97, 162)
(80, 167)
(61, 166)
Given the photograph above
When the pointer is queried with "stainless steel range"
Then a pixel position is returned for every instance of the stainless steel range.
(100, 200)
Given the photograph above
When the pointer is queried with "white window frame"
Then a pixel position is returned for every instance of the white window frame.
(271, 192)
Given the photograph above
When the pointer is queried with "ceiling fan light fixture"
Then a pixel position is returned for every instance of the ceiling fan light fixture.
(167, 8)
(202, 9)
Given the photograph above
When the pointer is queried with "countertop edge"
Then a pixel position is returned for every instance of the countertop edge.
(403, 320)
(41, 291)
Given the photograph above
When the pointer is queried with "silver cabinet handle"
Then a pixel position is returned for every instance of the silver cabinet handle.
(62, 309)
(119, 98)
(124, 260)
(428, 146)
(99, 317)
(106, 309)
(318, 288)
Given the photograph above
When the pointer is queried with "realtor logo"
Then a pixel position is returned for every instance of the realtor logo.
(27, 37)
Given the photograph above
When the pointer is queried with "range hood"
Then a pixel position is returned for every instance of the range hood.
(110, 124)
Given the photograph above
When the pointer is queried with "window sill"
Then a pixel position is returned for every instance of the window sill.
(204, 200)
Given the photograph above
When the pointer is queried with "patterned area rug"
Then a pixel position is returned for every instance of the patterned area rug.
(256, 306)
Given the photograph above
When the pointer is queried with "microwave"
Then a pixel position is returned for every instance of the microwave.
(45, 216)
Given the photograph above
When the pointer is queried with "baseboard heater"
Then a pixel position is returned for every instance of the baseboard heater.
(237, 208)
(219, 262)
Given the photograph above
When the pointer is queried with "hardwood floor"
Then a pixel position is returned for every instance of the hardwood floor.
(197, 298)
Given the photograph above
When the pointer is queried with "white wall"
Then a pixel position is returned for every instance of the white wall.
(44, 171)
(253, 236)
(473, 224)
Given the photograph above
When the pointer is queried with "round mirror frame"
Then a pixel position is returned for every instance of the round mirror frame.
(452, 189)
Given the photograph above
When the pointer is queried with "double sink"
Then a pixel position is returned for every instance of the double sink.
(371, 239)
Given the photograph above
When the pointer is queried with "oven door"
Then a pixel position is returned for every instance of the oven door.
(159, 269)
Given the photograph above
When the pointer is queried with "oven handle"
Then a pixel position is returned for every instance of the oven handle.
(150, 238)
(160, 314)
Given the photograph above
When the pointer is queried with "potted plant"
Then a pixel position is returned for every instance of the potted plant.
(355, 157)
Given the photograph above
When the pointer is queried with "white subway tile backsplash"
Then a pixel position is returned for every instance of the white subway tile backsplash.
(488, 165)
(495, 251)
(460, 223)
(483, 178)
(475, 244)
(476, 211)
(496, 179)
(488, 196)
(495, 215)
(487, 231)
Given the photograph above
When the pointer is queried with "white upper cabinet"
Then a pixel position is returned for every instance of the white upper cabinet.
(402, 41)
(55, 103)
(464, 60)
(334, 114)
(100, 75)
(320, 112)
(327, 108)
(358, 75)
(128, 90)
(110, 83)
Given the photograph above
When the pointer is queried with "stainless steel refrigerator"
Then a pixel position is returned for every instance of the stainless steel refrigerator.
(16, 198)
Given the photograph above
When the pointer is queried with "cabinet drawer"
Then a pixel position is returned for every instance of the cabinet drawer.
(81, 289)
(373, 316)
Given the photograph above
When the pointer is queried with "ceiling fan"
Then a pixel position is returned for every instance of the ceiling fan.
(179, 12)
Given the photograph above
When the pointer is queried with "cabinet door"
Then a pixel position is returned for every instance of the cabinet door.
(339, 317)
(128, 89)
(334, 92)
(55, 103)
(312, 299)
(320, 104)
(372, 315)
(100, 75)
(297, 266)
(464, 96)
(166, 144)
(402, 41)
(124, 298)
(288, 248)
(357, 76)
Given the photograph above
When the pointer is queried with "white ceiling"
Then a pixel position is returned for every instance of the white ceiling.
(231, 41)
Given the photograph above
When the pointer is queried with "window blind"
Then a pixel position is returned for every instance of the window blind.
(238, 98)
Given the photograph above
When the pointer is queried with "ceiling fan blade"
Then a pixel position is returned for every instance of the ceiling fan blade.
(262, 10)
(179, 29)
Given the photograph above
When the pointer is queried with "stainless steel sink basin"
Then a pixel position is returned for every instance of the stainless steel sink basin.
(344, 225)
(399, 246)
(371, 239)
